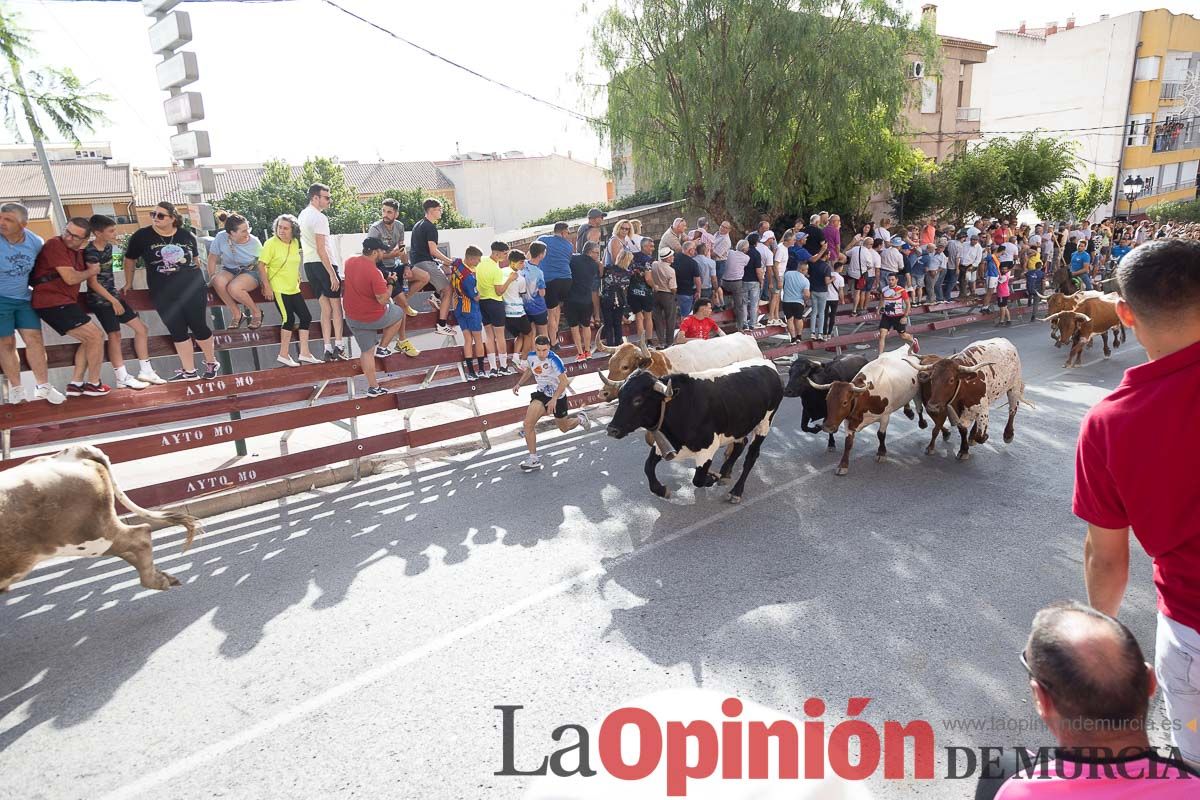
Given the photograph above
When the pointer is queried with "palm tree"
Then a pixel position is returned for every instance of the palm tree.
(58, 93)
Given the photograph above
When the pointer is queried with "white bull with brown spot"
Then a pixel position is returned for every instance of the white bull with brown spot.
(689, 357)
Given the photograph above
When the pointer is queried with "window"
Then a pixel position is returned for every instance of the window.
(1138, 129)
(107, 209)
(929, 93)
(1146, 69)
(1187, 173)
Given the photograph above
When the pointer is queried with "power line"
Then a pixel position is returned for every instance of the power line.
(1120, 130)
(468, 70)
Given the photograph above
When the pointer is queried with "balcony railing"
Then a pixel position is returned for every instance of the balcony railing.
(1170, 90)
(968, 115)
(1168, 137)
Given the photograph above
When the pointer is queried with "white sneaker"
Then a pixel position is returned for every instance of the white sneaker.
(531, 463)
(310, 359)
(444, 330)
(150, 376)
(16, 395)
(48, 393)
(287, 361)
(130, 382)
(585, 421)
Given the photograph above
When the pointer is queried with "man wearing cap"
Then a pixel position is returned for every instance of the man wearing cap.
(673, 237)
(954, 249)
(666, 308)
(595, 219)
(369, 310)
(891, 260)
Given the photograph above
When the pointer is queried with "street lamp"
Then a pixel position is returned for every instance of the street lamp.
(1132, 189)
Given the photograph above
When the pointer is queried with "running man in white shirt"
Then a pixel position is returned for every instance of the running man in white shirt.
(550, 376)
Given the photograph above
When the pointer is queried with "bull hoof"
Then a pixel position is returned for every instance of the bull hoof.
(735, 498)
(1108, 353)
(879, 459)
(841, 471)
(963, 456)
(1008, 437)
(724, 480)
(908, 412)
(160, 581)
(929, 450)
(922, 424)
(831, 449)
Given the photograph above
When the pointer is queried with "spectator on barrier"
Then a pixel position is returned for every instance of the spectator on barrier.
(720, 254)
(780, 255)
(58, 273)
(699, 324)
(687, 278)
(535, 290)
(752, 278)
(1092, 687)
(595, 222)
(641, 295)
(991, 275)
(232, 270)
(770, 277)
(111, 311)
(320, 267)
(489, 281)
(370, 313)
(862, 266)
(390, 230)
(585, 271)
(177, 288)
(1136, 465)
(429, 266)
(550, 379)
(620, 242)
(19, 249)
(279, 271)
(701, 235)
(614, 298)
(593, 236)
(968, 270)
(710, 287)
(934, 269)
(466, 312)
(731, 282)
(516, 322)
(662, 280)
(836, 296)
(915, 267)
(557, 269)
(955, 246)
(1081, 263)
(674, 235)
(832, 236)
(819, 278)
(797, 294)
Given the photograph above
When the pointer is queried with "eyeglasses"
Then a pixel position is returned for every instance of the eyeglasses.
(1025, 663)
(160, 215)
(80, 236)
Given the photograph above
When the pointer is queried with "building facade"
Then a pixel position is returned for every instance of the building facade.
(1113, 87)
(88, 186)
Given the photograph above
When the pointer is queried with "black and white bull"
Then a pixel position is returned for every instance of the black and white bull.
(810, 380)
(695, 415)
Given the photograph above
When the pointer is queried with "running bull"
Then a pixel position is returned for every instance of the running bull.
(695, 415)
(1089, 317)
(62, 505)
(696, 356)
(810, 381)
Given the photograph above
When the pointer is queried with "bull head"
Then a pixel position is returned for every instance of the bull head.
(965, 370)
(614, 385)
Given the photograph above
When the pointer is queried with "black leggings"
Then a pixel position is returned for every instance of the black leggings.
(614, 319)
(182, 304)
(297, 316)
(831, 307)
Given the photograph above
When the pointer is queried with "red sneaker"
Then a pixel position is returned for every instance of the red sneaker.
(96, 389)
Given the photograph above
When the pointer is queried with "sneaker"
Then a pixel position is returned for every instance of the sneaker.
(916, 346)
(75, 389)
(340, 353)
(444, 330)
(531, 464)
(180, 375)
(130, 382)
(330, 356)
(16, 395)
(375, 391)
(150, 376)
(48, 393)
(287, 361)
(758, 326)
(807, 313)
(96, 389)
(435, 304)
(412, 312)
(382, 352)
(211, 370)
(471, 374)
(585, 421)
(407, 348)
(491, 373)
(584, 355)
(309, 359)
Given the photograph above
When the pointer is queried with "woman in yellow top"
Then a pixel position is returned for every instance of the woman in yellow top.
(279, 266)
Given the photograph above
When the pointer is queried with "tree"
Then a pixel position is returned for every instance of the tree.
(411, 210)
(745, 106)
(657, 194)
(914, 195)
(1004, 176)
(1176, 211)
(58, 93)
(1074, 200)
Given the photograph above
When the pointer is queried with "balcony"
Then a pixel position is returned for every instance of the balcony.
(966, 120)
(1168, 137)
(1171, 90)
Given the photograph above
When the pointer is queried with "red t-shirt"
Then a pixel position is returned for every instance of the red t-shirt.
(56, 292)
(695, 328)
(363, 283)
(1136, 465)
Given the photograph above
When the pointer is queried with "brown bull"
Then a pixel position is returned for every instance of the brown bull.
(624, 360)
(1062, 302)
(1090, 317)
(62, 505)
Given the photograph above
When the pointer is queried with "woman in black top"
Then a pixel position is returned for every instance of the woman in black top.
(177, 287)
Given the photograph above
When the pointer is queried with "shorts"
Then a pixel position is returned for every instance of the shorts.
(318, 278)
(992, 283)
(579, 314)
(556, 291)
(560, 407)
(892, 323)
(469, 320)
(641, 303)
(17, 315)
(1002, 301)
(793, 310)
(367, 333)
(437, 276)
(517, 326)
(250, 272)
(109, 319)
(63, 318)
(182, 305)
(539, 318)
(492, 312)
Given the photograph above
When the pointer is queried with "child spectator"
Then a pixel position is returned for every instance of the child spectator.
(516, 321)
(1035, 280)
(466, 312)
(1003, 291)
(535, 290)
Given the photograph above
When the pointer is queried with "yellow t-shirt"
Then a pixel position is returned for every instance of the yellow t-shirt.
(487, 274)
(283, 265)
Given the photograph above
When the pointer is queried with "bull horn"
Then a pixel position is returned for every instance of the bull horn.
(820, 387)
(859, 389)
(643, 348)
(609, 383)
(974, 369)
(1082, 316)
(1055, 315)
(600, 345)
(664, 389)
(1043, 296)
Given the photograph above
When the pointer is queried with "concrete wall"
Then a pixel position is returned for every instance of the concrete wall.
(655, 221)
(509, 192)
(1078, 78)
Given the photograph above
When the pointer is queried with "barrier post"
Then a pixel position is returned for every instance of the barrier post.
(218, 317)
(353, 426)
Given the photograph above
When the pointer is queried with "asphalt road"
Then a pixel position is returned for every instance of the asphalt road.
(353, 641)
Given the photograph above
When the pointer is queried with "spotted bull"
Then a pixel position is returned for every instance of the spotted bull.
(964, 387)
(695, 356)
(810, 381)
(697, 414)
(1089, 317)
(62, 505)
(880, 388)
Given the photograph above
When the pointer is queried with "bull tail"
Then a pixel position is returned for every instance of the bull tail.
(166, 517)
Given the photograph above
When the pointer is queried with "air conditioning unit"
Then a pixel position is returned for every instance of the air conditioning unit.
(916, 70)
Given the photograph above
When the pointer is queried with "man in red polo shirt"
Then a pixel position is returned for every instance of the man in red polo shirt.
(370, 313)
(699, 324)
(1136, 467)
(57, 274)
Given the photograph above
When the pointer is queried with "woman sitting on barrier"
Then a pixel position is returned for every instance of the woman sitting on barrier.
(177, 287)
(279, 270)
(235, 249)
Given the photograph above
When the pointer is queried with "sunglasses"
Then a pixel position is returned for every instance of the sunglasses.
(161, 215)
(1025, 663)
